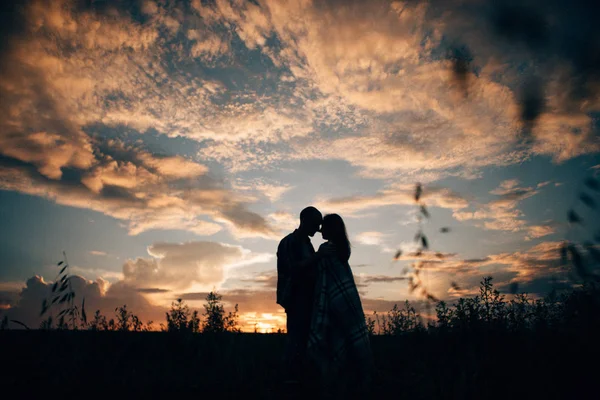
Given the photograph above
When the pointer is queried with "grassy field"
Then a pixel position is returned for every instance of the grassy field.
(413, 366)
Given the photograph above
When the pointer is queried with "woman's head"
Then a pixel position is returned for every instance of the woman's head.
(334, 230)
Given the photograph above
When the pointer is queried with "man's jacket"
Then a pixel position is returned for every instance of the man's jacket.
(294, 286)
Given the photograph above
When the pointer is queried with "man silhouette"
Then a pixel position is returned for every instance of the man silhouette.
(296, 274)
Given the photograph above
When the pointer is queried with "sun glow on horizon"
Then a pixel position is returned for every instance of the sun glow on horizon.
(262, 322)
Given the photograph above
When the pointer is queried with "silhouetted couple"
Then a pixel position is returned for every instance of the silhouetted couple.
(326, 328)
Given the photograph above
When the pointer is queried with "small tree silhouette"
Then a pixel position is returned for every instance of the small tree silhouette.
(444, 315)
(215, 320)
(99, 322)
(492, 303)
(398, 321)
(123, 320)
(126, 321)
(179, 318)
(371, 323)
(231, 320)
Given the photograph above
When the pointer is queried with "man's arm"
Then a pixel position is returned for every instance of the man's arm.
(308, 266)
(310, 261)
(284, 274)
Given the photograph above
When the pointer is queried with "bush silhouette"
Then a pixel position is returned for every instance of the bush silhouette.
(215, 320)
(398, 321)
(99, 323)
(179, 318)
(571, 310)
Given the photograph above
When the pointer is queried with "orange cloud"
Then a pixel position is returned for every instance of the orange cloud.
(502, 213)
(180, 265)
(395, 195)
(47, 151)
(382, 101)
(98, 296)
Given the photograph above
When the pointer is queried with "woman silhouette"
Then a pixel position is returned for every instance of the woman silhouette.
(338, 342)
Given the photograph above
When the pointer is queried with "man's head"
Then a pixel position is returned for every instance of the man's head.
(310, 221)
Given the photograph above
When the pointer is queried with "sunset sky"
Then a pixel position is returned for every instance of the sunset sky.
(167, 147)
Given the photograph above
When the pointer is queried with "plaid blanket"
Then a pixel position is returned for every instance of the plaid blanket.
(338, 336)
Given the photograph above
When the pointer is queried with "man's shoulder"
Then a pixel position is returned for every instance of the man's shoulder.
(291, 237)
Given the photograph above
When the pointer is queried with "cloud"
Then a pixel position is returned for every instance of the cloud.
(175, 167)
(146, 192)
(558, 36)
(284, 220)
(395, 195)
(370, 238)
(381, 278)
(425, 256)
(565, 136)
(152, 290)
(99, 295)
(53, 98)
(270, 190)
(48, 152)
(7, 299)
(541, 260)
(11, 286)
(502, 213)
(98, 253)
(539, 263)
(528, 46)
(149, 7)
(393, 70)
(181, 265)
(106, 274)
(542, 184)
(458, 292)
(385, 102)
(537, 231)
(146, 285)
(207, 47)
(506, 185)
(266, 280)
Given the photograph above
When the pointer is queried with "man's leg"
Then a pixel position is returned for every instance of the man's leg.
(303, 330)
(291, 358)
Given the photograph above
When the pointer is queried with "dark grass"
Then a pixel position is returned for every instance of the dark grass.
(418, 365)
